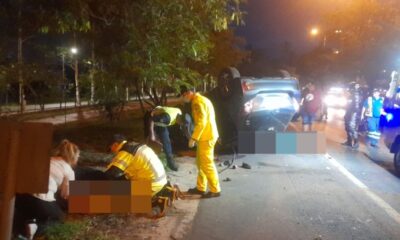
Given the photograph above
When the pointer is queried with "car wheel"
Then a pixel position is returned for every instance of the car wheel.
(396, 161)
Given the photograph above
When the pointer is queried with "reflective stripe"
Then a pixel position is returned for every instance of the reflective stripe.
(374, 135)
(161, 124)
(158, 176)
(121, 162)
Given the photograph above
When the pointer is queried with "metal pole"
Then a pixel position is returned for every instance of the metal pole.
(64, 88)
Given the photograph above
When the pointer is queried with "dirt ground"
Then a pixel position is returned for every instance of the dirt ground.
(93, 138)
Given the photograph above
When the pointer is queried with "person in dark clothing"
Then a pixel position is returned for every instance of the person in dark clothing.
(310, 104)
(352, 116)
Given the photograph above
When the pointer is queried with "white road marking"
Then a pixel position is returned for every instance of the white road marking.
(379, 201)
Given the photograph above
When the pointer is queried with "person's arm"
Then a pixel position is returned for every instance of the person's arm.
(114, 173)
(200, 120)
(69, 175)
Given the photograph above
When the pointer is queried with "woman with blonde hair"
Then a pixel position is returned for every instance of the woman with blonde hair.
(43, 207)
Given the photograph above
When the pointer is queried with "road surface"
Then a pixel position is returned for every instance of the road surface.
(345, 194)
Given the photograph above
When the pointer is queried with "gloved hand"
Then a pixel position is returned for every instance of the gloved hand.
(389, 117)
(192, 142)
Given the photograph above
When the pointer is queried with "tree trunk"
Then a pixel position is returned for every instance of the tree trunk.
(91, 76)
(78, 99)
(76, 70)
(138, 93)
(127, 94)
(22, 102)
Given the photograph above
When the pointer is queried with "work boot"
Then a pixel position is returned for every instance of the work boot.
(347, 143)
(374, 145)
(211, 195)
(172, 164)
(356, 144)
(196, 191)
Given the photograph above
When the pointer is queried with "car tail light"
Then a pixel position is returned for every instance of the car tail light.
(268, 102)
(246, 86)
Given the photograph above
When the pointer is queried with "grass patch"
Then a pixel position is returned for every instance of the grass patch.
(86, 228)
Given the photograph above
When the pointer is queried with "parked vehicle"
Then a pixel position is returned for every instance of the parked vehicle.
(254, 104)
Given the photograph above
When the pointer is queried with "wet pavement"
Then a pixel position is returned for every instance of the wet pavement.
(345, 194)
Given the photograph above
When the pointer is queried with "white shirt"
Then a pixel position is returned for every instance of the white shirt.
(60, 175)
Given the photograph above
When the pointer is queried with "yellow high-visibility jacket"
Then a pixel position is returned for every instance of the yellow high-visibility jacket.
(172, 112)
(205, 127)
(143, 165)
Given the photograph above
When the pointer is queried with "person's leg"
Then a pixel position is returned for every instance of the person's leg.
(201, 177)
(207, 165)
(372, 132)
(163, 134)
(44, 212)
(306, 122)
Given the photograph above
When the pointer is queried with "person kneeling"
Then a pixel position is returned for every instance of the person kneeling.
(43, 208)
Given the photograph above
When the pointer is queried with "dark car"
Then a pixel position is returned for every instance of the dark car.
(255, 104)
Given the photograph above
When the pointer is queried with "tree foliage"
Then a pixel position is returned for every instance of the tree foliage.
(366, 34)
(152, 46)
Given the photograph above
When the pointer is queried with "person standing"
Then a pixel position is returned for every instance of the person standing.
(159, 119)
(311, 103)
(205, 135)
(372, 111)
(352, 116)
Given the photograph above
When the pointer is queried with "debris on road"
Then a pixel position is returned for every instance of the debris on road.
(246, 166)
(227, 179)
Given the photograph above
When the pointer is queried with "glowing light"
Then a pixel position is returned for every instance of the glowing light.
(74, 50)
(314, 31)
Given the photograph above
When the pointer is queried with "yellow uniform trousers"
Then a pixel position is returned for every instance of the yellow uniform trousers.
(208, 174)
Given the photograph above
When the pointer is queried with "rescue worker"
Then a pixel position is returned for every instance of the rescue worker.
(205, 135)
(372, 111)
(160, 118)
(136, 162)
(352, 116)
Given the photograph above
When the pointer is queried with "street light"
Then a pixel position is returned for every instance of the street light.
(315, 32)
(74, 51)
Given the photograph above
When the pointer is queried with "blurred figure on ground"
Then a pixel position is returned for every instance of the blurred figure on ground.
(157, 122)
(352, 116)
(372, 111)
(310, 105)
(43, 208)
(205, 135)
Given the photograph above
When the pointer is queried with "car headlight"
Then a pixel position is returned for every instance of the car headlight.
(342, 101)
(330, 100)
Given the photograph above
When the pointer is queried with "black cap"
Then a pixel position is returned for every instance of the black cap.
(184, 89)
(119, 138)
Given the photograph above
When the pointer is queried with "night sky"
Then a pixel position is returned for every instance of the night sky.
(269, 23)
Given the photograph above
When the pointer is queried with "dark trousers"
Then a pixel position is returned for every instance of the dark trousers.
(351, 122)
(163, 135)
(28, 207)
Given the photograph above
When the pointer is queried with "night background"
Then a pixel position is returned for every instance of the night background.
(163, 45)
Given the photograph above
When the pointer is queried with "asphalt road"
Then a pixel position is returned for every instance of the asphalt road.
(345, 194)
